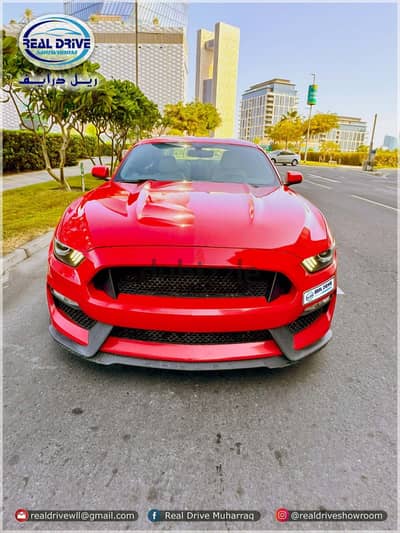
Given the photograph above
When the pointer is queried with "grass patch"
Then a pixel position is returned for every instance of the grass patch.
(35, 209)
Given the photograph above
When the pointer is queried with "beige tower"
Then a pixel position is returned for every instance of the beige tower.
(216, 73)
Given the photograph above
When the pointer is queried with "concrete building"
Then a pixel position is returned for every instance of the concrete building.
(216, 73)
(167, 14)
(349, 135)
(162, 60)
(390, 142)
(264, 104)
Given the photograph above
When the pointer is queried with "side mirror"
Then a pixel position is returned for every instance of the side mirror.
(101, 172)
(293, 177)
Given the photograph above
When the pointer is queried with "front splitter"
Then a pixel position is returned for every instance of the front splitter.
(91, 353)
(266, 362)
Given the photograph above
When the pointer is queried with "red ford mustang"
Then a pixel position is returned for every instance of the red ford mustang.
(194, 256)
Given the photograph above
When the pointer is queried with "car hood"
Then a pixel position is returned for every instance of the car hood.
(192, 214)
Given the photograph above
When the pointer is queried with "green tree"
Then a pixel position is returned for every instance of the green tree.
(328, 148)
(321, 123)
(42, 107)
(96, 113)
(119, 111)
(363, 148)
(132, 114)
(291, 115)
(28, 15)
(194, 118)
(162, 125)
(289, 129)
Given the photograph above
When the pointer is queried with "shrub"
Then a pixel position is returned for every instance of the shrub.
(387, 158)
(105, 149)
(88, 147)
(22, 150)
(343, 158)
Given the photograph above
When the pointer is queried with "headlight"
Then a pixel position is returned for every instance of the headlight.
(319, 261)
(66, 254)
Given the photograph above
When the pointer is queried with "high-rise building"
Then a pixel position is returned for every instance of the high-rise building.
(161, 13)
(390, 142)
(162, 58)
(216, 73)
(349, 135)
(264, 104)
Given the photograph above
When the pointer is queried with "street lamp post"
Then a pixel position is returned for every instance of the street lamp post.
(371, 153)
(137, 54)
(309, 119)
(136, 43)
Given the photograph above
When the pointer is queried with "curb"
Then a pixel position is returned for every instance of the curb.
(20, 254)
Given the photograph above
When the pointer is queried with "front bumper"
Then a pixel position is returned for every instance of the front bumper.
(290, 335)
(272, 361)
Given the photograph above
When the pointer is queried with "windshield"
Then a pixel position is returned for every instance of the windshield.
(197, 161)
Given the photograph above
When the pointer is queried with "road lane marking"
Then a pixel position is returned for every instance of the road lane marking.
(327, 179)
(373, 202)
(339, 291)
(318, 184)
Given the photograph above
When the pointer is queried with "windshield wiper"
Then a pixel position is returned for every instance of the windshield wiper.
(137, 180)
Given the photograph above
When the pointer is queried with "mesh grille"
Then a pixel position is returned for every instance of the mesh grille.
(195, 282)
(173, 337)
(76, 315)
(306, 320)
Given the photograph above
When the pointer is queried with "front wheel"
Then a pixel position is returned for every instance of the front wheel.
(273, 160)
(294, 162)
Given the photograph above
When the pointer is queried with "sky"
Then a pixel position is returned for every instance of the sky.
(352, 48)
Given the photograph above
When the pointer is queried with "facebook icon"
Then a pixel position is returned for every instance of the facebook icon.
(154, 515)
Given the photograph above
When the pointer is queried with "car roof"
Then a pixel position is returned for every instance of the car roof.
(210, 140)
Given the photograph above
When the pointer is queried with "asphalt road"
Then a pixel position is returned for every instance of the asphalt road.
(321, 435)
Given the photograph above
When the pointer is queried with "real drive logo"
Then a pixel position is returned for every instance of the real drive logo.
(317, 292)
(56, 42)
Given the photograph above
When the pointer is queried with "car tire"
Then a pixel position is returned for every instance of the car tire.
(273, 160)
(294, 162)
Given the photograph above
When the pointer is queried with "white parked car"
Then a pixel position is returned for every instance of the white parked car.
(286, 157)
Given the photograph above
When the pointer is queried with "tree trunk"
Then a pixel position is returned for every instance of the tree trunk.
(112, 154)
(98, 148)
(92, 159)
(42, 139)
(62, 152)
(47, 159)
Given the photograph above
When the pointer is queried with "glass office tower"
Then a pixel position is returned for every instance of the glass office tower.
(163, 14)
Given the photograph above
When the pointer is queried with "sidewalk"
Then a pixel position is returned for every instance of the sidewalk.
(21, 179)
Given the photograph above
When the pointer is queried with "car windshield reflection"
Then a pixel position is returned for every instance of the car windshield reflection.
(214, 162)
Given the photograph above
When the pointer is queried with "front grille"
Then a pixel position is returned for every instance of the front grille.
(306, 320)
(174, 337)
(195, 282)
(76, 315)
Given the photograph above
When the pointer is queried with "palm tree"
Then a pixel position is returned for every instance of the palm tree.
(291, 115)
(28, 15)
